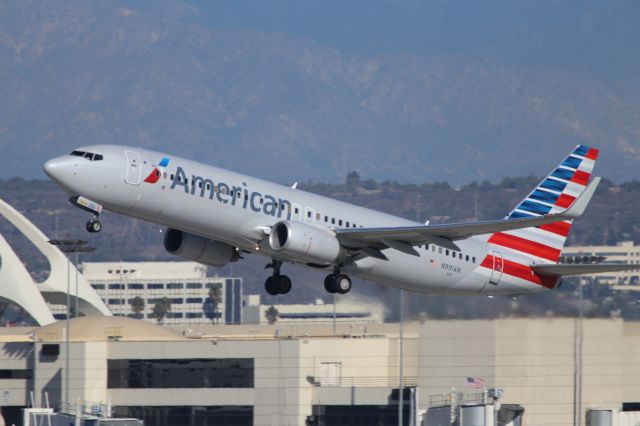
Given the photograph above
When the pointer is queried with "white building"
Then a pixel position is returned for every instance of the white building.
(347, 309)
(624, 252)
(291, 374)
(185, 284)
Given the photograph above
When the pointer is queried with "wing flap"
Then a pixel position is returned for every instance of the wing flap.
(582, 269)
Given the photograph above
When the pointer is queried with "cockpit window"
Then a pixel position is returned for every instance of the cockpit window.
(88, 155)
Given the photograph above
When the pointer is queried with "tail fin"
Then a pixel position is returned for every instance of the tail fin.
(555, 193)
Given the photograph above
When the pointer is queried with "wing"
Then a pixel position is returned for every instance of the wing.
(584, 269)
(403, 238)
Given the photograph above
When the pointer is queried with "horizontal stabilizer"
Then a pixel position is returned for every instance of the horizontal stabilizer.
(582, 269)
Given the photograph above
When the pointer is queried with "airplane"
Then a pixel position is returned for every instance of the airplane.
(214, 216)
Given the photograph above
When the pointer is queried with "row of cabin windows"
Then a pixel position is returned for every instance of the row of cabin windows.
(452, 253)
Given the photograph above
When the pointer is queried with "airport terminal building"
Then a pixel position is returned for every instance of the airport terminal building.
(305, 375)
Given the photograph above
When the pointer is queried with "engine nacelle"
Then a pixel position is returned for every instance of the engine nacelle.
(200, 249)
(305, 243)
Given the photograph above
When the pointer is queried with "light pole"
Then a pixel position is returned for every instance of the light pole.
(69, 246)
(401, 370)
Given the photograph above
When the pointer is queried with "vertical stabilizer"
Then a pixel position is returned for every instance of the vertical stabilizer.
(554, 194)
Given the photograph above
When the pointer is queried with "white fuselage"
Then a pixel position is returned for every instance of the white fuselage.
(197, 198)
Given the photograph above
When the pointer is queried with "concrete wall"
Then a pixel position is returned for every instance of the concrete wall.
(534, 361)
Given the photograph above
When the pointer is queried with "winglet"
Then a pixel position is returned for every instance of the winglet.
(580, 204)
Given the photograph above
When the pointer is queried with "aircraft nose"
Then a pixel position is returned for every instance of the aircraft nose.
(53, 167)
(59, 169)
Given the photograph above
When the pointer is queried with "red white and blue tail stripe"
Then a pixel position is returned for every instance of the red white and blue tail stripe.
(542, 244)
(554, 194)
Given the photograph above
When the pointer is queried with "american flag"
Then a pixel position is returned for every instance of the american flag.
(474, 382)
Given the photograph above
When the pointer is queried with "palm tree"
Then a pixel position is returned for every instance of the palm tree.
(137, 306)
(272, 314)
(215, 295)
(161, 308)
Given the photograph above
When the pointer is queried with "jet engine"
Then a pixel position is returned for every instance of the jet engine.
(305, 243)
(200, 249)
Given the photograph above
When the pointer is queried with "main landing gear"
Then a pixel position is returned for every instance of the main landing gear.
(337, 283)
(276, 283)
(281, 284)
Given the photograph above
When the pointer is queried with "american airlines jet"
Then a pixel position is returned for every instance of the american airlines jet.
(214, 215)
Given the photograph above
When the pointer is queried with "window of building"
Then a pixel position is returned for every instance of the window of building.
(177, 300)
(115, 302)
(194, 285)
(194, 299)
(194, 315)
(236, 415)
(175, 286)
(212, 285)
(174, 315)
(116, 286)
(136, 286)
(180, 373)
(16, 374)
(155, 286)
(98, 286)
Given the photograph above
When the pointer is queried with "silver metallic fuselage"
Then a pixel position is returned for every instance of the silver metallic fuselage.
(118, 183)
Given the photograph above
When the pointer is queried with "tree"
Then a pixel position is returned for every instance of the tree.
(272, 314)
(137, 306)
(161, 308)
(352, 181)
(215, 295)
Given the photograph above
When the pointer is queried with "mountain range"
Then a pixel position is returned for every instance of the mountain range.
(286, 106)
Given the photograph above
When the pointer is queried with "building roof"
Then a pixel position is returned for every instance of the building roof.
(102, 328)
(143, 270)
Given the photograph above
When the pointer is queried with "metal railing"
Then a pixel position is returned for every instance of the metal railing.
(381, 381)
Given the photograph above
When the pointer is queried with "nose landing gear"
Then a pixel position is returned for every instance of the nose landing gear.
(94, 225)
(276, 283)
(92, 207)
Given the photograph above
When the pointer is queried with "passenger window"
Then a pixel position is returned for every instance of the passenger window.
(309, 215)
(317, 216)
(467, 258)
(164, 175)
(354, 225)
(333, 220)
(297, 210)
(446, 252)
(208, 186)
(347, 224)
(172, 176)
(440, 250)
(433, 249)
(340, 222)
(200, 184)
(460, 256)
(326, 218)
(473, 259)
